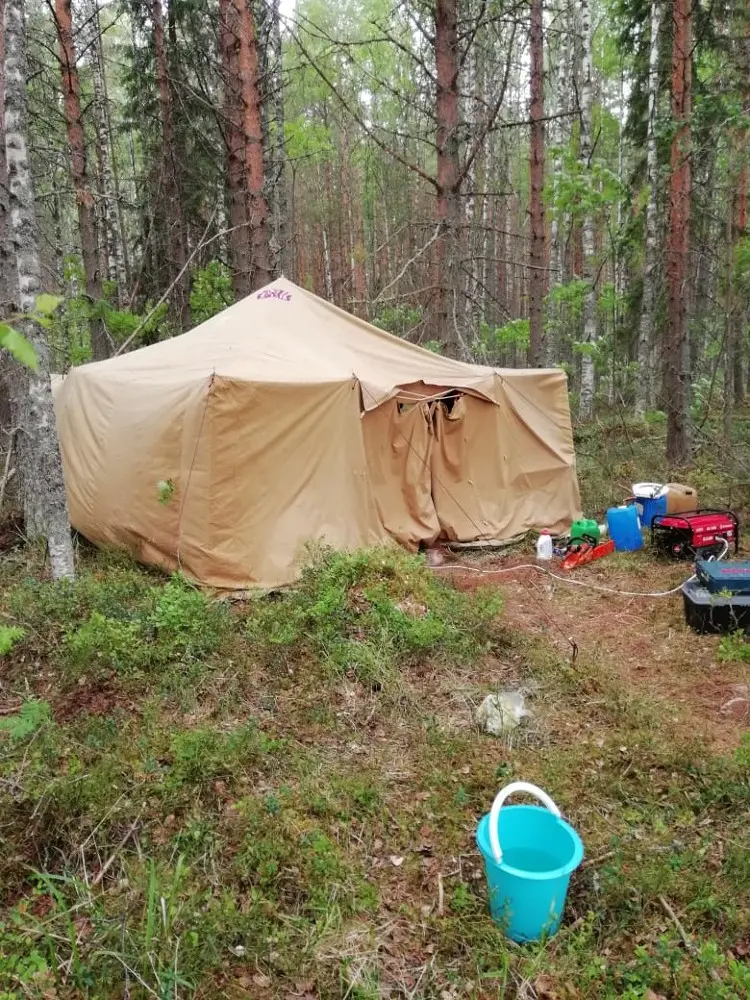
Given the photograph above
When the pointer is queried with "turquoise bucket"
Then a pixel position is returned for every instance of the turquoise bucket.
(528, 876)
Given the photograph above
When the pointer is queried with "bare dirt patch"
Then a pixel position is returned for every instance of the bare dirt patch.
(643, 639)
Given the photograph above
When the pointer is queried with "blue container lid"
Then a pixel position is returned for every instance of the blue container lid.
(559, 826)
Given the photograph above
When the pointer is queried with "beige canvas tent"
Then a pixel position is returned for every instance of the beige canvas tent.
(284, 420)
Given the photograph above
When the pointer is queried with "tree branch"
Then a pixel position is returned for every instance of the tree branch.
(413, 167)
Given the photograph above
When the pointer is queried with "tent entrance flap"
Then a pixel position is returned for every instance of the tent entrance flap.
(399, 438)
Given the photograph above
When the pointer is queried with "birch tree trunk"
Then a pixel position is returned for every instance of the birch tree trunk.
(676, 381)
(8, 281)
(537, 251)
(643, 389)
(586, 395)
(45, 502)
(71, 89)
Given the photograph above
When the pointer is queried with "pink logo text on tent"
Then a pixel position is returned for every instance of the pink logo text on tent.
(274, 293)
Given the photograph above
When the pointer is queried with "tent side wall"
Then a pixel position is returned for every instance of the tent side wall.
(289, 469)
(119, 440)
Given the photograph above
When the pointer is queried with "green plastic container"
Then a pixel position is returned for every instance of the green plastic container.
(584, 526)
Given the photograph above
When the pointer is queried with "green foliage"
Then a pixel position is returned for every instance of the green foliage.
(124, 624)
(371, 613)
(31, 717)
(203, 755)
(186, 624)
(16, 344)
(122, 323)
(210, 291)
(398, 320)
(572, 295)
(165, 489)
(10, 636)
(493, 340)
(18, 347)
(102, 644)
(735, 648)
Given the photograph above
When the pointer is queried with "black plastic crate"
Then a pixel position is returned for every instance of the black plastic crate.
(707, 612)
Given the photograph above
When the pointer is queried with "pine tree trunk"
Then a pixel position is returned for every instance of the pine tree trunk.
(45, 502)
(643, 389)
(173, 218)
(78, 169)
(676, 381)
(537, 252)
(586, 396)
(252, 127)
(239, 245)
(450, 313)
(278, 151)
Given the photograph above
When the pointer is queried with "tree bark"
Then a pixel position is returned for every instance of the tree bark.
(537, 254)
(108, 193)
(43, 487)
(676, 381)
(8, 279)
(553, 340)
(171, 173)
(643, 389)
(586, 395)
(278, 154)
(252, 127)
(239, 247)
(449, 279)
(71, 89)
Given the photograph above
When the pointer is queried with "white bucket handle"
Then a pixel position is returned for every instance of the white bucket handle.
(502, 795)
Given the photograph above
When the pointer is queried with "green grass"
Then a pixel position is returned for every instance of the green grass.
(264, 800)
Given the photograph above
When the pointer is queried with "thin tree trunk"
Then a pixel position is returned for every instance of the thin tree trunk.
(252, 127)
(468, 243)
(646, 324)
(678, 240)
(537, 252)
(557, 244)
(586, 396)
(450, 313)
(45, 502)
(78, 169)
(278, 154)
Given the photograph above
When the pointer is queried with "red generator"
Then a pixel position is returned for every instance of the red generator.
(695, 534)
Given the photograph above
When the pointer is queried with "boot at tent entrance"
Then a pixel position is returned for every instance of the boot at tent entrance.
(283, 420)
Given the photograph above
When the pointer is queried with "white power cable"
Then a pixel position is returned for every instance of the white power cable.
(563, 579)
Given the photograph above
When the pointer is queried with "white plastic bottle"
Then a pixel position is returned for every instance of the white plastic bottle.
(544, 546)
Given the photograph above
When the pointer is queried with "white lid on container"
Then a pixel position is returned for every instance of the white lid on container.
(649, 491)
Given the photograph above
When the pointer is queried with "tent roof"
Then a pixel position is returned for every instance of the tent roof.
(285, 334)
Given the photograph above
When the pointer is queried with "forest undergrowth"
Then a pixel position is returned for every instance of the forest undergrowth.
(278, 798)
